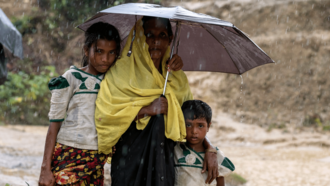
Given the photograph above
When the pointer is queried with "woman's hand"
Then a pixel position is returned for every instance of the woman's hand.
(210, 162)
(175, 63)
(46, 178)
(158, 106)
(211, 165)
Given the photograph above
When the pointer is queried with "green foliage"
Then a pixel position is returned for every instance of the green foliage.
(25, 97)
(73, 10)
(326, 126)
(313, 121)
(235, 179)
(27, 24)
(238, 178)
(153, 1)
(24, 24)
(316, 121)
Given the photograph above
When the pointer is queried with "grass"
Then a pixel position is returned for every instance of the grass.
(235, 179)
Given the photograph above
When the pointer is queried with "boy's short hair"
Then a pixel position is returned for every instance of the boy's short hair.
(197, 109)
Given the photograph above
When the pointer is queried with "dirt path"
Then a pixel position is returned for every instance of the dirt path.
(21, 151)
(263, 158)
(273, 158)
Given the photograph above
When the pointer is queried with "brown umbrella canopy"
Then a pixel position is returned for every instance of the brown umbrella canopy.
(217, 48)
(204, 43)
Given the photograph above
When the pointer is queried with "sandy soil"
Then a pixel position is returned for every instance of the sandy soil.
(273, 158)
(263, 158)
(21, 151)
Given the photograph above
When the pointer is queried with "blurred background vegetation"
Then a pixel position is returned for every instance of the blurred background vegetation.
(47, 26)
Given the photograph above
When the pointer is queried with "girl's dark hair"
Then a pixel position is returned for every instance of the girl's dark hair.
(163, 20)
(197, 109)
(97, 31)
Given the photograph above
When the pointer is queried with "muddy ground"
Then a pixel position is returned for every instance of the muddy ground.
(262, 158)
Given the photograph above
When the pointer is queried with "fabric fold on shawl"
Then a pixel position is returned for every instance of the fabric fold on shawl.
(132, 83)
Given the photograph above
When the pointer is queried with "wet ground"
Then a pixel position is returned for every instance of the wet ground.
(21, 151)
(274, 158)
(263, 158)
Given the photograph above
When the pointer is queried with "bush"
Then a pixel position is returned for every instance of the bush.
(74, 10)
(25, 97)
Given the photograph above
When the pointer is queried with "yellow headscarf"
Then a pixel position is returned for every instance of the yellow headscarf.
(132, 83)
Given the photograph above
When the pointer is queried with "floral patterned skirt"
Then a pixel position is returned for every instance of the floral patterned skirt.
(72, 166)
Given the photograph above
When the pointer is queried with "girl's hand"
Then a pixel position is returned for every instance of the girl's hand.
(175, 63)
(46, 178)
(158, 106)
(113, 149)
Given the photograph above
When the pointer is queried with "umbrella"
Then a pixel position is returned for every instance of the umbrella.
(10, 36)
(11, 39)
(204, 43)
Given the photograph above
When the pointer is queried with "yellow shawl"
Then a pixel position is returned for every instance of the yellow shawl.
(132, 83)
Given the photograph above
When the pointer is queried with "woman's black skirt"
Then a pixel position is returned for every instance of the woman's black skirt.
(144, 157)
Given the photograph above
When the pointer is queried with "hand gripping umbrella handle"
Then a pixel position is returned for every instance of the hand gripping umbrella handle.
(172, 50)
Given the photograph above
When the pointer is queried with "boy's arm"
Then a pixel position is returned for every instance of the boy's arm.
(220, 181)
(210, 162)
(46, 176)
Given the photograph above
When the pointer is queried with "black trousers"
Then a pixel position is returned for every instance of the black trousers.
(144, 157)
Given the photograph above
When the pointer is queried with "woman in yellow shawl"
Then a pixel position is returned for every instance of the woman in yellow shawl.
(131, 115)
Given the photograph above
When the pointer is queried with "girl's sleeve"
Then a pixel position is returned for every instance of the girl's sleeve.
(225, 165)
(62, 89)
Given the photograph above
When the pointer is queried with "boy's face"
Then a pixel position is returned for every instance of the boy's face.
(196, 130)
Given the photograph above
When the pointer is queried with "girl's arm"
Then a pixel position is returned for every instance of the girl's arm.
(220, 181)
(210, 162)
(46, 176)
(62, 89)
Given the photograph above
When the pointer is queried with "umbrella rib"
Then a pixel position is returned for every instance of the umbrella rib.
(239, 73)
(254, 43)
(122, 39)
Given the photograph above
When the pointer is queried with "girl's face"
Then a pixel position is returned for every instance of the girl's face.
(157, 38)
(101, 57)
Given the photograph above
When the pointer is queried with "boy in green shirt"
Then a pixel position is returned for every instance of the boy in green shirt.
(189, 156)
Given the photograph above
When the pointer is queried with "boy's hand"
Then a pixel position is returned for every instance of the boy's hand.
(46, 178)
(220, 181)
(211, 164)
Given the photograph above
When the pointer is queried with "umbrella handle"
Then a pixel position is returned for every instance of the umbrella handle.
(168, 72)
(178, 26)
